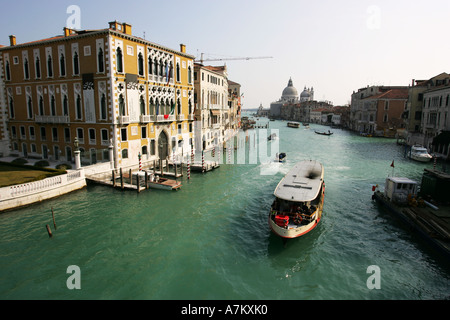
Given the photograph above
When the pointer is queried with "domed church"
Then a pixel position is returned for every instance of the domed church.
(290, 96)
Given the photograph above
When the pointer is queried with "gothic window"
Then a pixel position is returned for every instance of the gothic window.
(100, 61)
(62, 65)
(49, 66)
(78, 107)
(38, 68)
(178, 72)
(30, 108)
(76, 64)
(189, 74)
(65, 106)
(150, 65)
(161, 66)
(121, 106)
(53, 106)
(119, 59)
(103, 107)
(152, 107)
(26, 69)
(142, 105)
(11, 107)
(8, 71)
(140, 64)
(41, 106)
(156, 68)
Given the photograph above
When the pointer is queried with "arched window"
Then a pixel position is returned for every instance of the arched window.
(103, 107)
(30, 108)
(38, 68)
(76, 64)
(155, 71)
(152, 107)
(26, 69)
(142, 104)
(41, 106)
(121, 105)
(78, 103)
(189, 74)
(53, 106)
(150, 65)
(119, 59)
(100, 60)
(140, 64)
(8, 71)
(65, 106)
(11, 107)
(49, 66)
(62, 65)
(178, 72)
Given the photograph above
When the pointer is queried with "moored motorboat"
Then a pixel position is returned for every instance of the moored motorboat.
(299, 198)
(273, 136)
(157, 182)
(419, 153)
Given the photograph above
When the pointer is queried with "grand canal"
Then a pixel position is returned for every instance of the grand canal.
(211, 240)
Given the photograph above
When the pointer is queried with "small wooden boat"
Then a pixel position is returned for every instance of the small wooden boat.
(299, 197)
(293, 124)
(329, 133)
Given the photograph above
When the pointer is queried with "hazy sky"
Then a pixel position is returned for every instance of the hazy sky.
(334, 46)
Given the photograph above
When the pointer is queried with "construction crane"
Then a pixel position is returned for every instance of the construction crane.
(236, 58)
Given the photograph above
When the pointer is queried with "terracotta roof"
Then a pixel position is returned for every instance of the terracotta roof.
(395, 93)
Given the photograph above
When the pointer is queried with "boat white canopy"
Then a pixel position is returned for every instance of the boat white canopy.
(302, 183)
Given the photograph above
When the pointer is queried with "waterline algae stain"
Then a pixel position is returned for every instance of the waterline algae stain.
(211, 240)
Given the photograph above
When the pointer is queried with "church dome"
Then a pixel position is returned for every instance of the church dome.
(290, 92)
(305, 94)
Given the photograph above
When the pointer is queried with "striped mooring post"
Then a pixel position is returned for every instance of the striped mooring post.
(140, 162)
(213, 153)
(188, 169)
(203, 161)
(434, 162)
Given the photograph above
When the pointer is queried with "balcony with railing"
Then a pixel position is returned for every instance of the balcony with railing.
(52, 119)
(124, 120)
(144, 118)
(165, 118)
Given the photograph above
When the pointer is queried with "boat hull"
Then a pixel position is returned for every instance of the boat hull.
(420, 158)
(292, 230)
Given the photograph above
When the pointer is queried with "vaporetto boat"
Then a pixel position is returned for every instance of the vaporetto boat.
(299, 198)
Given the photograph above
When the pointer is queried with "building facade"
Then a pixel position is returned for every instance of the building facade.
(211, 105)
(378, 110)
(95, 90)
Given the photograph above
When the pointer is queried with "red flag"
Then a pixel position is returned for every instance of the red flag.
(166, 116)
(392, 164)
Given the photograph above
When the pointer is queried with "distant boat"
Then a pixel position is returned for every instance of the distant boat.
(298, 205)
(329, 133)
(280, 157)
(419, 153)
(293, 124)
(273, 136)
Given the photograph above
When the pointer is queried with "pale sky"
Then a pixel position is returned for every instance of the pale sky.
(334, 46)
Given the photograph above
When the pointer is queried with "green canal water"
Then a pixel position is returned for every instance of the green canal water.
(211, 239)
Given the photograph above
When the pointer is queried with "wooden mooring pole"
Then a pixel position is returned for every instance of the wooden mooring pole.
(121, 178)
(49, 231)
(53, 215)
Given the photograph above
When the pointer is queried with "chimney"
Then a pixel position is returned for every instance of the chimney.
(126, 28)
(413, 80)
(183, 48)
(67, 32)
(12, 40)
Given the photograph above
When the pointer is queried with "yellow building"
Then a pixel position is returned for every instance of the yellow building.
(104, 88)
